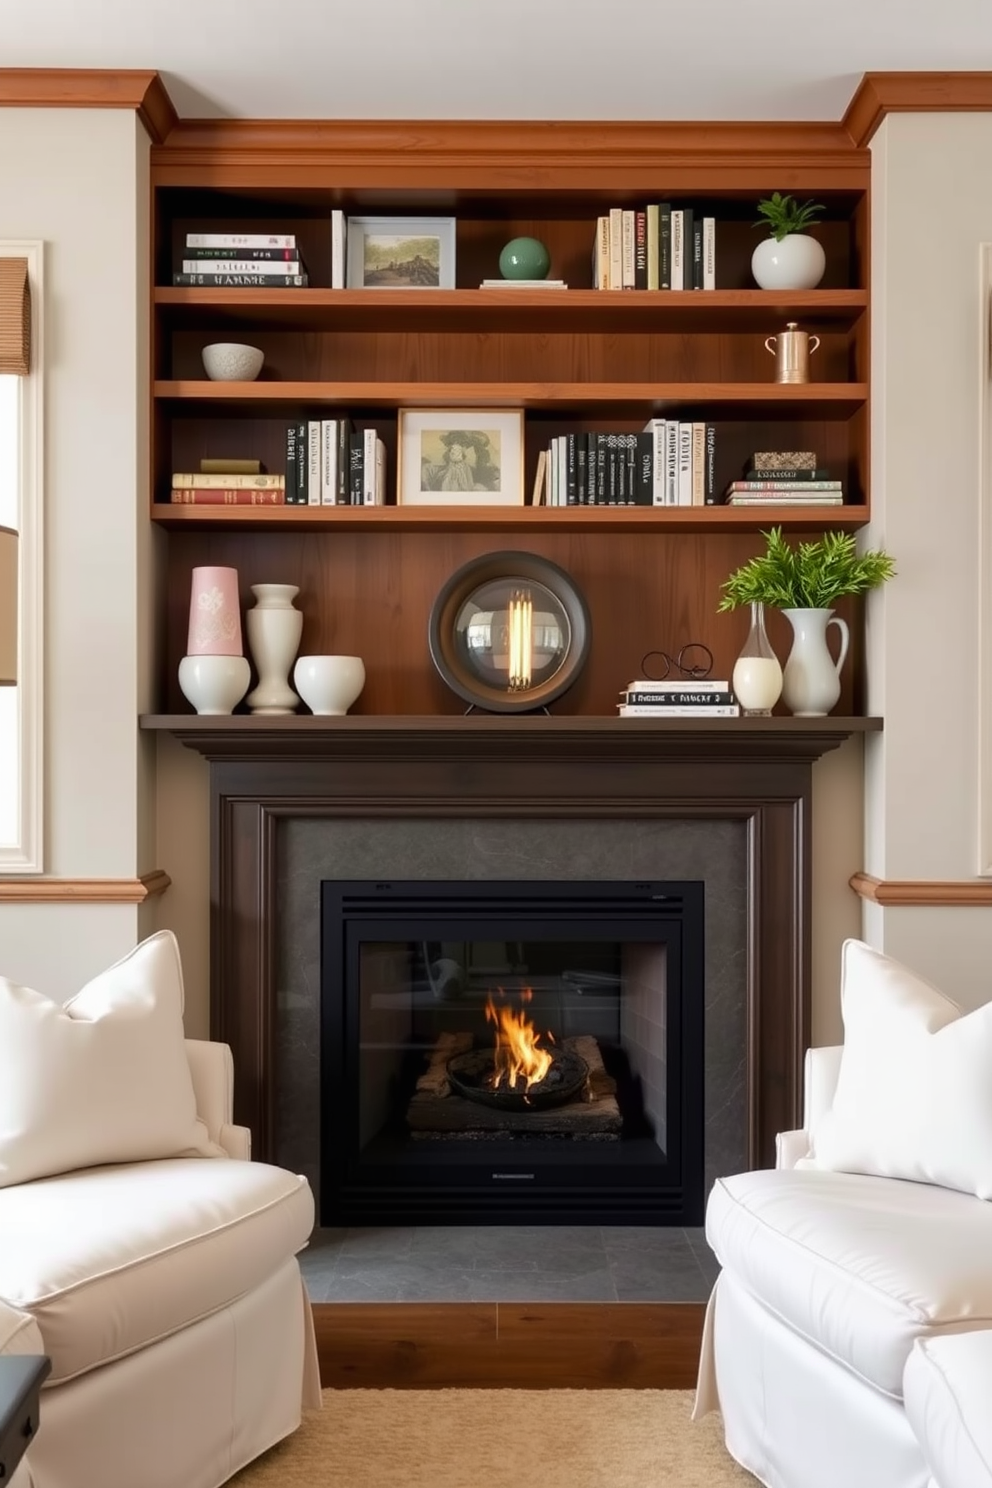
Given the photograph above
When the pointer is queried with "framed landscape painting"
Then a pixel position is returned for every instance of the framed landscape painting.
(461, 457)
(401, 253)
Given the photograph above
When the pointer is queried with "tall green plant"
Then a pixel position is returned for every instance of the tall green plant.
(811, 576)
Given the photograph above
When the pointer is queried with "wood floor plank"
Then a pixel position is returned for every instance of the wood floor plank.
(600, 1345)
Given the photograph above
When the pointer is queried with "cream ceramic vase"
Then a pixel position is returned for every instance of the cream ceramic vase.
(811, 681)
(274, 631)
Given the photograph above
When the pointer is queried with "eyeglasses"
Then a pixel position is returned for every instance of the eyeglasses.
(694, 660)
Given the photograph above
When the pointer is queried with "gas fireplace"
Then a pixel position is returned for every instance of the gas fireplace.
(512, 1052)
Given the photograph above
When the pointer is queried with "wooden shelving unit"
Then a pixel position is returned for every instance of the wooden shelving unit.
(576, 358)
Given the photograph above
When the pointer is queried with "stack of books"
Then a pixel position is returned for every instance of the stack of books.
(687, 698)
(793, 477)
(221, 260)
(226, 488)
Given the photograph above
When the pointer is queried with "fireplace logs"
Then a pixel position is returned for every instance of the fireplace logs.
(438, 1110)
(474, 1075)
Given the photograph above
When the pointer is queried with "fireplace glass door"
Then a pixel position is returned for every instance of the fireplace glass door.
(511, 1053)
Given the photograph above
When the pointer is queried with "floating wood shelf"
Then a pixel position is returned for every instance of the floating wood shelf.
(511, 310)
(633, 399)
(635, 519)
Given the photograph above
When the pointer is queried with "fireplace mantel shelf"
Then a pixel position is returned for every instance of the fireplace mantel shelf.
(293, 737)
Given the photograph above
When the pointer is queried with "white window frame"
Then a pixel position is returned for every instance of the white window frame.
(26, 855)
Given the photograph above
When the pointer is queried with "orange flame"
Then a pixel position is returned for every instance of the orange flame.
(517, 1053)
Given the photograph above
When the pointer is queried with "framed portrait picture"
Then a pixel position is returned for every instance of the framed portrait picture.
(461, 457)
(401, 253)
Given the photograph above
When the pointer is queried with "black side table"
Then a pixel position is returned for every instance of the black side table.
(21, 1378)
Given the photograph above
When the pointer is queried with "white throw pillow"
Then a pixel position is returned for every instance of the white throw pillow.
(914, 1092)
(103, 1079)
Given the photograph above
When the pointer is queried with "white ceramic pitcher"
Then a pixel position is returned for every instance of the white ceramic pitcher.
(811, 681)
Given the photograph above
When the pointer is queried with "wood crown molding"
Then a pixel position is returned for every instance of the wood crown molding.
(85, 890)
(510, 154)
(881, 93)
(517, 142)
(69, 87)
(923, 893)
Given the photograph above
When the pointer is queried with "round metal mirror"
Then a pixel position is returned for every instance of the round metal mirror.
(509, 632)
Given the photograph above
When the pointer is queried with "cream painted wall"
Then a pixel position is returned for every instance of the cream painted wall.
(77, 178)
(923, 627)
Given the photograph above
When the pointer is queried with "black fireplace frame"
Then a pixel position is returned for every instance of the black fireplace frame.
(466, 1182)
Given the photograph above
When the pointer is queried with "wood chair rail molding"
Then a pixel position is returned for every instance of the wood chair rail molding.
(923, 893)
(70, 87)
(84, 890)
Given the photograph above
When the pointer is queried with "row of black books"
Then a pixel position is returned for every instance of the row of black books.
(331, 463)
(654, 247)
(667, 464)
(688, 698)
(222, 260)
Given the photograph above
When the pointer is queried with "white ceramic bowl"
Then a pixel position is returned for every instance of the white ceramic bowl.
(329, 684)
(214, 684)
(230, 361)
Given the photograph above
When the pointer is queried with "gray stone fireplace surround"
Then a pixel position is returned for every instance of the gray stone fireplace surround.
(309, 850)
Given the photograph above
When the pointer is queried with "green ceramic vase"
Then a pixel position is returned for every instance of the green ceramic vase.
(524, 258)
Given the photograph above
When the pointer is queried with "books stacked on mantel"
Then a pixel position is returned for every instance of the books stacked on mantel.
(789, 477)
(222, 260)
(688, 698)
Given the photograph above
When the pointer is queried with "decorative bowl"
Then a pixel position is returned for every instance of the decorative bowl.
(230, 361)
(214, 684)
(329, 684)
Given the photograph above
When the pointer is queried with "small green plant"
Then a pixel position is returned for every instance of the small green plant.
(784, 215)
(809, 577)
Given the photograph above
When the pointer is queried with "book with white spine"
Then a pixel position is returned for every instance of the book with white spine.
(240, 240)
(272, 267)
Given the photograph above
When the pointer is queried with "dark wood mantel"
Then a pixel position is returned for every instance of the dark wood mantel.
(295, 737)
(263, 770)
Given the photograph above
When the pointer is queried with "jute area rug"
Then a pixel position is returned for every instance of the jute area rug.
(474, 1438)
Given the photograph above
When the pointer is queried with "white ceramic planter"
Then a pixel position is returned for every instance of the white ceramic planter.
(329, 684)
(796, 262)
(214, 684)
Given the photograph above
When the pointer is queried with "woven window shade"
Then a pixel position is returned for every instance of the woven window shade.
(15, 317)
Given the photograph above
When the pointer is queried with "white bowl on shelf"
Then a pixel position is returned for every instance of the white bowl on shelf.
(329, 684)
(214, 684)
(231, 361)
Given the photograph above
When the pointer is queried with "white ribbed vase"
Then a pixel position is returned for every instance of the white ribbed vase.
(274, 631)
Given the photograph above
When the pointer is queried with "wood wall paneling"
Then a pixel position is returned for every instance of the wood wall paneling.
(370, 595)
